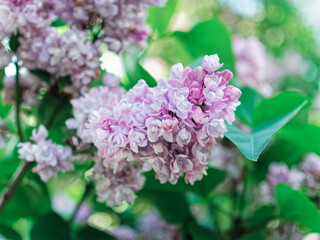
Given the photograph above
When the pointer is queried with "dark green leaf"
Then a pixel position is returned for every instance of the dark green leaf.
(261, 216)
(268, 117)
(206, 38)
(259, 235)
(42, 75)
(198, 232)
(58, 23)
(30, 200)
(64, 82)
(203, 187)
(294, 206)
(90, 233)
(2, 75)
(172, 206)
(4, 109)
(209, 182)
(14, 42)
(9, 233)
(50, 227)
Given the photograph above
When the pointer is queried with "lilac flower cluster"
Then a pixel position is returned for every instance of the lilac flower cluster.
(252, 63)
(98, 97)
(71, 53)
(122, 23)
(168, 128)
(116, 183)
(66, 54)
(311, 168)
(27, 16)
(280, 173)
(258, 69)
(307, 175)
(50, 157)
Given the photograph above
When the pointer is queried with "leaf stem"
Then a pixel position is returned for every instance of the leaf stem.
(18, 102)
(87, 192)
(24, 165)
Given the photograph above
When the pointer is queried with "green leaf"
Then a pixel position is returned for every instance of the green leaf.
(198, 232)
(294, 206)
(172, 206)
(14, 42)
(267, 118)
(206, 185)
(276, 106)
(58, 23)
(2, 75)
(30, 200)
(4, 109)
(259, 235)
(261, 216)
(54, 110)
(305, 137)
(50, 227)
(206, 38)
(159, 17)
(9, 233)
(135, 71)
(90, 233)
(42, 75)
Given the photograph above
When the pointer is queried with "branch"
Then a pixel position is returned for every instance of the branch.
(18, 102)
(13, 184)
(24, 165)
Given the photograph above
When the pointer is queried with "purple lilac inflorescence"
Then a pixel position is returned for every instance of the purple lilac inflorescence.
(50, 157)
(280, 173)
(168, 128)
(74, 50)
(311, 168)
(121, 23)
(98, 97)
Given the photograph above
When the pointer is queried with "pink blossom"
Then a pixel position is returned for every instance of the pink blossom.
(50, 157)
(165, 129)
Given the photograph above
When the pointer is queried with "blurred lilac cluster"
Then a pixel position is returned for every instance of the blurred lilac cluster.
(168, 128)
(66, 54)
(150, 227)
(121, 22)
(73, 52)
(50, 157)
(307, 176)
(259, 70)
